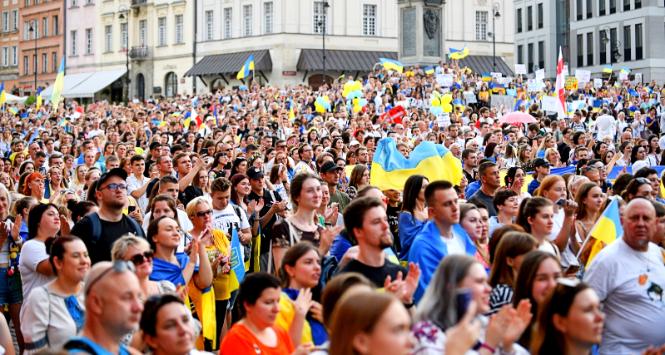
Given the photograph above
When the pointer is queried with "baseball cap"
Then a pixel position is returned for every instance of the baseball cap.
(540, 162)
(119, 172)
(254, 173)
(329, 167)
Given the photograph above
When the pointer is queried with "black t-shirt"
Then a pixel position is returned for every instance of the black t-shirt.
(191, 192)
(266, 232)
(393, 222)
(564, 151)
(375, 274)
(110, 232)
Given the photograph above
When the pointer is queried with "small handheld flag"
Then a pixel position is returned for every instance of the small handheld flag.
(391, 64)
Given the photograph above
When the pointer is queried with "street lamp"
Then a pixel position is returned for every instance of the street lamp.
(322, 23)
(32, 30)
(126, 86)
(495, 15)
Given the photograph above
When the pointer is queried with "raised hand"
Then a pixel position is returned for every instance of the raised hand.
(465, 334)
(517, 323)
(17, 226)
(303, 302)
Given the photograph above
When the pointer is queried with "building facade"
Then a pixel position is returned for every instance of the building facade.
(618, 33)
(9, 41)
(41, 43)
(475, 24)
(82, 43)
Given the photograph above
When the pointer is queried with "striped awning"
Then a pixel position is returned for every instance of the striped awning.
(230, 63)
(341, 60)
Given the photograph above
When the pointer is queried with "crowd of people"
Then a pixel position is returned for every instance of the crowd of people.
(245, 222)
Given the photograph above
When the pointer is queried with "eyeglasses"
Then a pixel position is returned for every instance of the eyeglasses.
(114, 187)
(139, 259)
(203, 213)
(119, 266)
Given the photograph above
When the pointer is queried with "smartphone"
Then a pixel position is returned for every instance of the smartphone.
(463, 299)
(131, 209)
(561, 202)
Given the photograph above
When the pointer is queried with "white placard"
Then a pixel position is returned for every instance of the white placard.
(496, 76)
(540, 74)
(597, 83)
(566, 72)
(470, 98)
(549, 103)
(583, 76)
(535, 85)
(623, 76)
(505, 100)
(445, 80)
(504, 81)
(520, 69)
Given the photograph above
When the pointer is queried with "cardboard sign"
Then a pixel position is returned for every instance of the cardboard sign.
(470, 98)
(506, 101)
(571, 83)
(623, 76)
(540, 74)
(445, 80)
(597, 83)
(583, 76)
(549, 103)
(520, 69)
(566, 72)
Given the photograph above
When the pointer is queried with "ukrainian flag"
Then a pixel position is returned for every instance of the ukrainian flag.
(486, 77)
(391, 64)
(429, 70)
(246, 68)
(607, 229)
(38, 105)
(390, 168)
(59, 83)
(607, 69)
(3, 94)
(292, 113)
(458, 54)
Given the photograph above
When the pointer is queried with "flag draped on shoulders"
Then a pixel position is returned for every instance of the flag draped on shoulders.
(390, 168)
(607, 229)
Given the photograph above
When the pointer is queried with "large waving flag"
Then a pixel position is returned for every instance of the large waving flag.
(391, 64)
(458, 53)
(58, 85)
(38, 104)
(607, 229)
(390, 168)
(560, 91)
(3, 94)
(246, 68)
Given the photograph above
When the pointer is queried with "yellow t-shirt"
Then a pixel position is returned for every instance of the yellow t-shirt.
(221, 282)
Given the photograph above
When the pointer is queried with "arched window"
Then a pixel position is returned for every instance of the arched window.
(171, 84)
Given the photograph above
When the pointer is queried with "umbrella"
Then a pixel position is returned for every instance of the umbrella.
(517, 117)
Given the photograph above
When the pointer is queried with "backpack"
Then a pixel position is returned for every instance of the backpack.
(97, 227)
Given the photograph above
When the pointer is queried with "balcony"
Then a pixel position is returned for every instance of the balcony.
(139, 3)
(139, 53)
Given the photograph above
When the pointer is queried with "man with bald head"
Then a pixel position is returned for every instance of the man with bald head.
(111, 312)
(629, 277)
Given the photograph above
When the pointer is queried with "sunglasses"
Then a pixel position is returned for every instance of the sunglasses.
(139, 259)
(114, 187)
(203, 213)
(119, 266)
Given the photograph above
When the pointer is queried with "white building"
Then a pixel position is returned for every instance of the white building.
(623, 34)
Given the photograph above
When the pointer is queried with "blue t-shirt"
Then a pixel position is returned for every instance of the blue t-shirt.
(83, 345)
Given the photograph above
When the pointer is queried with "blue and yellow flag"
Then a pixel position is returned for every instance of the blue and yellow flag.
(607, 69)
(390, 168)
(607, 229)
(246, 68)
(3, 94)
(38, 103)
(458, 53)
(429, 70)
(58, 85)
(237, 264)
(391, 64)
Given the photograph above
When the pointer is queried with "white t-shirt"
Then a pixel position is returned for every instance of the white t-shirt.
(630, 284)
(33, 252)
(606, 126)
(134, 184)
(455, 245)
(227, 218)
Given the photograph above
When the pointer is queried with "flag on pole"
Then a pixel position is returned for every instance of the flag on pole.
(607, 69)
(560, 91)
(246, 68)
(58, 85)
(38, 104)
(458, 53)
(3, 94)
(391, 64)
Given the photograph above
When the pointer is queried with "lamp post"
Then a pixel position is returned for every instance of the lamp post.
(495, 15)
(33, 31)
(126, 86)
(322, 23)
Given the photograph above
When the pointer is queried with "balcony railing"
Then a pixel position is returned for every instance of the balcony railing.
(137, 3)
(139, 52)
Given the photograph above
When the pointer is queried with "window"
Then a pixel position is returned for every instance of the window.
(210, 23)
(626, 44)
(578, 9)
(589, 49)
(88, 41)
(5, 21)
(267, 17)
(520, 56)
(56, 29)
(601, 8)
(626, 5)
(178, 29)
(72, 45)
(14, 55)
(638, 41)
(613, 6)
(26, 68)
(26, 31)
(369, 20)
(589, 8)
(5, 56)
(540, 15)
(35, 25)
(541, 54)
(44, 62)
(161, 31)
(123, 36)
(247, 20)
(15, 20)
(318, 19)
(108, 38)
(638, 4)
(580, 50)
(45, 26)
(519, 20)
(603, 47)
(75, 3)
(27, 2)
(529, 18)
(171, 84)
(55, 62)
(227, 22)
(481, 26)
(143, 32)
(530, 57)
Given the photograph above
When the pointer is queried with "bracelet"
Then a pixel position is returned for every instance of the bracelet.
(484, 345)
